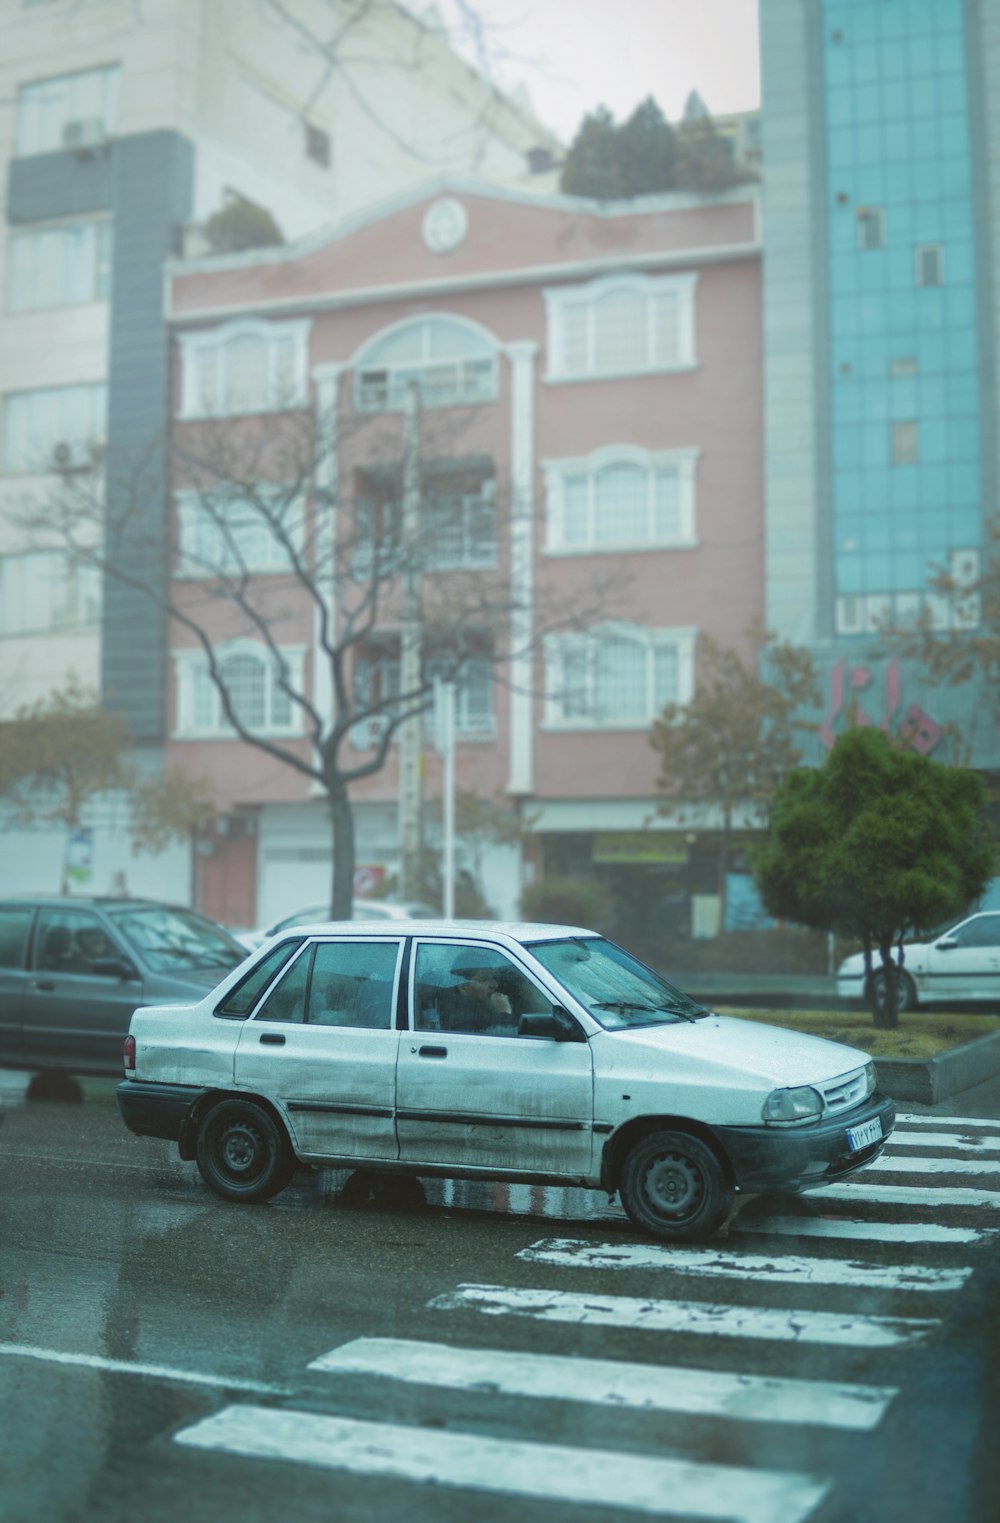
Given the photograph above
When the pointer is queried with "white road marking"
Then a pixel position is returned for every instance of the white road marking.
(554, 1472)
(784, 1326)
(722, 1262)
(908, 1195)
(893, 1164)
(959, 1142)
(127, 1367)
(610, 1382)
(862, 1231)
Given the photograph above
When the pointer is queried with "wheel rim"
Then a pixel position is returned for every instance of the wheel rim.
(239, 1150)
(673, 1186)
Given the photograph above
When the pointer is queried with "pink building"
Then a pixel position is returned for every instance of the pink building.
(591, 438)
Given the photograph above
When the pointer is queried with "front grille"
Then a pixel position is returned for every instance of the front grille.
(841, 1094)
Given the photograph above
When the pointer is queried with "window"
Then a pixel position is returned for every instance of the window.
(241, 999)
(621, 499)
(55, 429)
(621, 326)
(457, 530)
(473, 696)
(59, 266)
(317, 145)
(338, 984)
(474, 990)
(871, 227)
(245, 367)
(620, 676)
(14, 926)
(452, 362)
(74, 941)
(930, 264)
(377, 681)
(222, 536)
(903, 365)
(251, 678)
(44, 592)
(983, 931)
(905, 443)
(70, 111)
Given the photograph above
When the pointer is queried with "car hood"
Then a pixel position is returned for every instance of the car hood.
(778, 1058)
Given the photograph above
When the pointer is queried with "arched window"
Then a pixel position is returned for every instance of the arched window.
(619, 676)
(252, 680)
(453, 363)
(244, 367)
(621, 498)
(621, 325)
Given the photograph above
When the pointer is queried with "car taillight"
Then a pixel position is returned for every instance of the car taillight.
(128, 1054)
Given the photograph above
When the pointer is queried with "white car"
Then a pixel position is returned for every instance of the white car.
(959, 966)
(539, 1053)
(361, 909)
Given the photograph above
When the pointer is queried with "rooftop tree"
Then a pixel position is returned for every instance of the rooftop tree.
(878, 844)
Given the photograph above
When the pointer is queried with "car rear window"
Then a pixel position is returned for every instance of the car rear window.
(244, 995)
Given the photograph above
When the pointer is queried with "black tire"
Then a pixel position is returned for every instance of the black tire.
(906, 997)
(672, 1186)
(243, 1153)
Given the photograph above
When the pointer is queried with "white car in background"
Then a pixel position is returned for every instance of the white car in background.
(362, 909)
(958, 966)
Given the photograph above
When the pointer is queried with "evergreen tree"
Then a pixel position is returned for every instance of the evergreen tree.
(646, 151)
(592, 167)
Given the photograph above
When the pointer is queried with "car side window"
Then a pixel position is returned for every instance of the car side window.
(72, 941)
(472, 989)
(287, 1000)
(243, 996)
(981, 932)
(14, 927)
(353, 984)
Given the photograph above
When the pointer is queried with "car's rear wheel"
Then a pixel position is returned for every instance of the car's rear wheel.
(673, 1186)
(906, 992)
(243, 1153)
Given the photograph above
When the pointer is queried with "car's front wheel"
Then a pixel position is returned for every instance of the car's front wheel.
(673, 1186)
(243, 1153)
(906, 993)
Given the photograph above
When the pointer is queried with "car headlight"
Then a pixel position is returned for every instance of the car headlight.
(871, 1078)
(800, 1104)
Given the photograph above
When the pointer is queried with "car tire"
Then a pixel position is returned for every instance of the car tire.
(243, 1153)
(672, 1186)
(907, 991)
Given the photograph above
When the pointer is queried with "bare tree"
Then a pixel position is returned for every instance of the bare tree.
(286, 537)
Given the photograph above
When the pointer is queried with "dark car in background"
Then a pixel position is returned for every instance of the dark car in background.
(73, 970)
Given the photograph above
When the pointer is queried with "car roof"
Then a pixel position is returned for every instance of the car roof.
(469, 930)
(100, 901)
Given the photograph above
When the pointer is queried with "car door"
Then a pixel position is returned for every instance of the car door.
(15, 926)
(473, 1093)
(965, 964)
(75, 1012)
(323, 1047)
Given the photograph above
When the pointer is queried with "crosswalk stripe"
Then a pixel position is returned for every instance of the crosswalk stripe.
(781, 1325)
(894, 1163)
(908, 1195)
(751, 1398)
(859, 1231)
(912, 1118)
(723, 1262)
(961, 1143)
(552, 1472)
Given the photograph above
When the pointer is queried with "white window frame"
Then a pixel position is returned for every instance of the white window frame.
(47, 131)
(561, 301)
(192, 663)
(470, 725)
(560, 647)
(558, 473)
(380, 385)
(195, 348)
(33, 238)
(191, 565)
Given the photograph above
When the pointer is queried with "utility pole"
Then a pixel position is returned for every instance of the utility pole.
(411, 730)
(444, 714)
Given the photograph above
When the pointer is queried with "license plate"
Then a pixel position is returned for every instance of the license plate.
(859, 1137)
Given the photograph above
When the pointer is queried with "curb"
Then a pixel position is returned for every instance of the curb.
(932, 1079)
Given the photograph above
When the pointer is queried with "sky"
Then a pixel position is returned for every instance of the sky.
(574, 55)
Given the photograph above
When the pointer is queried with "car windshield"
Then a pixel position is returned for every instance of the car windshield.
(171, 941)
(615, 988)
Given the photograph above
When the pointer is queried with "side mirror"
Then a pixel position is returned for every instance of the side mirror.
(557, 1027)
(114, 967)
(946, 944)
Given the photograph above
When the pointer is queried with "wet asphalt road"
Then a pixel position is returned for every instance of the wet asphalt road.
(134, 1305)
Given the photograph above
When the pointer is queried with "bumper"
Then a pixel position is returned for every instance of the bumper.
(802, 1158)
(156, 1110)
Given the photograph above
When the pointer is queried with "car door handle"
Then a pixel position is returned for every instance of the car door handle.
(433, 1052)
(272, 1039)
(45, 985)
